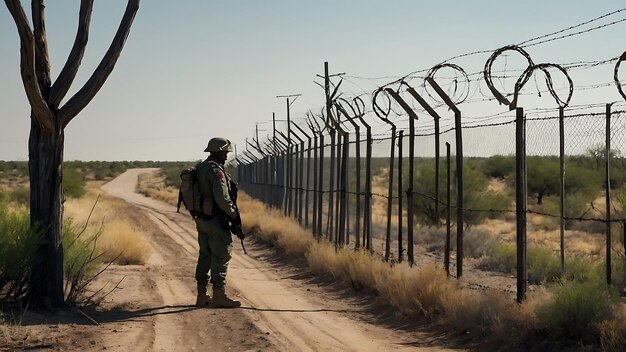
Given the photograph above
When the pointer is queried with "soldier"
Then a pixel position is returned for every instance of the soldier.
(214, 236)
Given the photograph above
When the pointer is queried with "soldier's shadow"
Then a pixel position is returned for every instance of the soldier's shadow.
(296, 310)
(119, 314)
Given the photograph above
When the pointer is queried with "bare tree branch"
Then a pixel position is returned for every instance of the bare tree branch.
(68, 73)
(42, 62)
(42, 112)
(100, 75)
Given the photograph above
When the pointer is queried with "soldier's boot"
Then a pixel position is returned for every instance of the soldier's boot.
(220, 300)
(203, 299)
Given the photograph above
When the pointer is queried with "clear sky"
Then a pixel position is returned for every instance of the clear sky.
(195, 69)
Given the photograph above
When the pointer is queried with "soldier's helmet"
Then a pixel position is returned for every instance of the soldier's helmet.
(219, 144)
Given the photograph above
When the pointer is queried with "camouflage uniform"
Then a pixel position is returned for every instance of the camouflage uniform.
(214, 236)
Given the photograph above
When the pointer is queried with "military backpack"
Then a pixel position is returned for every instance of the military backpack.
(189, 193)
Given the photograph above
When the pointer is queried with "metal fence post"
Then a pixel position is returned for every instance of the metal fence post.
(400, 192)
(446, 258)
(331, 190)
(562, 185)
(390, 193)
(521, 202)
(459, 174)
(320, 194)
(436, 119)
(607, 180)
(410, 192)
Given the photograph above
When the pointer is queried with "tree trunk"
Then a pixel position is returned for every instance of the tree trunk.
(45, 161)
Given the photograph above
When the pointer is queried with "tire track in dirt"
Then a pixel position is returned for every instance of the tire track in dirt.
(163, 292)
(283, 307)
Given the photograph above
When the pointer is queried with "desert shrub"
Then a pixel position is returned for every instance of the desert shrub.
(476, 195)
(432, 237)
(172, 176)
(18, 247)
(543, 264)
(122, 244)
(73, 183)
(20, 196)
(477, 242)
(501, 257)
(18, 168)
(81, 258)
(575, 309)
(172, 172)
(499, 166)
(613, 331)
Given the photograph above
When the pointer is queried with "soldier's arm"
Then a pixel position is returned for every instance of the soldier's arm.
(220, 192)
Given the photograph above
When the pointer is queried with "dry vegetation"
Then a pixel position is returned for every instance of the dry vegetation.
(153, 185)
(119, 240)
(567, 311)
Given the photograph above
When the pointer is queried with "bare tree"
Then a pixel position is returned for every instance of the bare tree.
(48, 122)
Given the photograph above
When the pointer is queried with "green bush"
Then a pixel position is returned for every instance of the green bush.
(477, 243)
(575, 308)
(73, 183)
(500, 257)
(499, 166)
(544, 265)
(20, 196)
(80, 262)
(172, 172)
(18, 247)
(476, 194)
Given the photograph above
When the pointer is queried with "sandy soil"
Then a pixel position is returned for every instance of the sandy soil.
(284, 308)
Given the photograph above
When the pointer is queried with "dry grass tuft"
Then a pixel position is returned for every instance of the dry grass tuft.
(123, 243)
(271, 226)
(427, 291)
(613, 332)
(118, 240)
(153, 185)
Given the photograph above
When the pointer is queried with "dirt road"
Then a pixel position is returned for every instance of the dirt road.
(280, 310)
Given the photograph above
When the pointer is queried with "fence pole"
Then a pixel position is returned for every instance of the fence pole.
(607, 183)
(390, 193)
(320, 193)
(297, 211)
(410, 193)
(344, 189)
(299, 169)
(459, 174)
(275, 190)
(446, 258)
(562, 184)
(368, 188)
(520, 202)
(308, 183)
(436, 119)
(331, 194)
(400, 193)
(301, 182)
(350, 119)
(339, 176)
(357, 229)
(315, 189)
(289, 162)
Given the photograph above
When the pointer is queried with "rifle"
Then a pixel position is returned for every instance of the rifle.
(235, 224)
